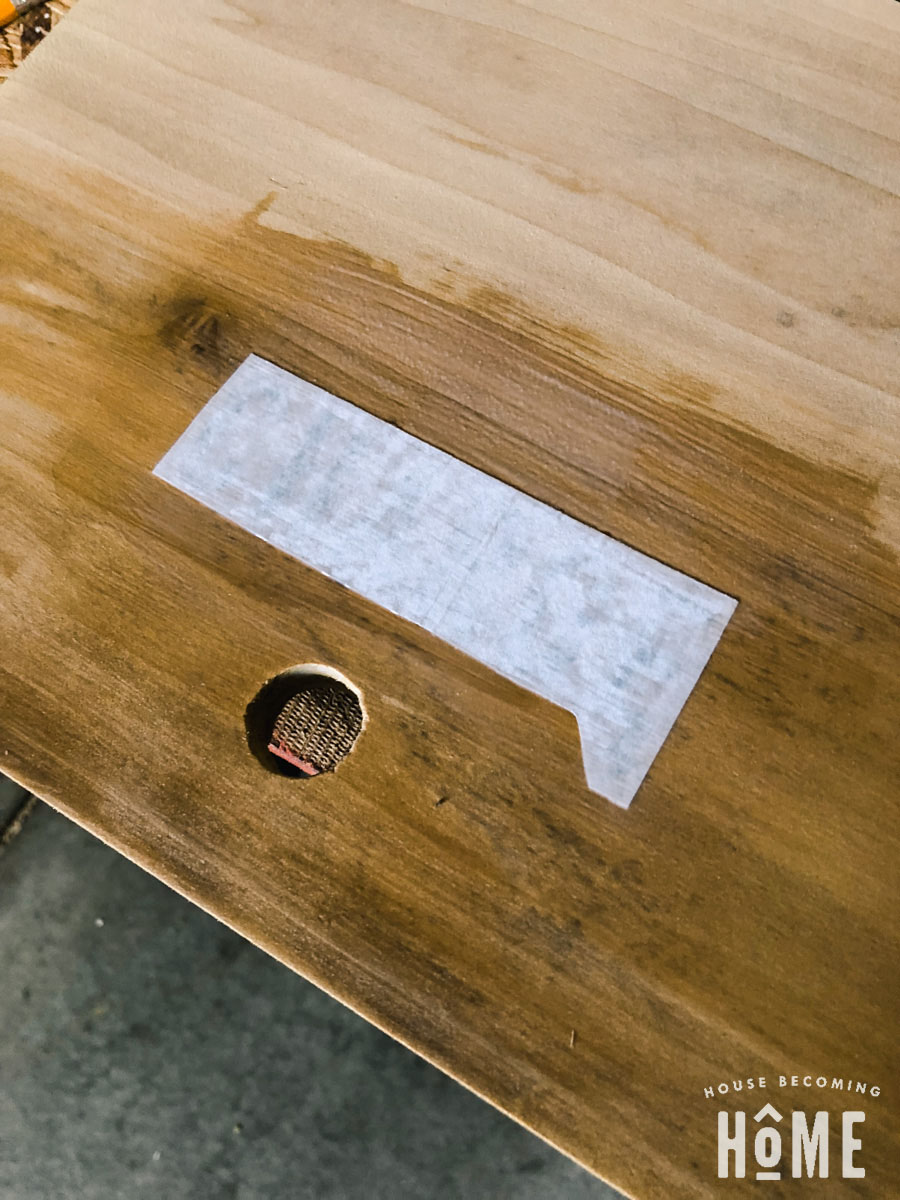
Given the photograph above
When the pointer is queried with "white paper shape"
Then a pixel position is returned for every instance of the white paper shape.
(592, 625)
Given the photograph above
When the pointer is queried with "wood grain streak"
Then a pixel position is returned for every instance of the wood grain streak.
(634, 262)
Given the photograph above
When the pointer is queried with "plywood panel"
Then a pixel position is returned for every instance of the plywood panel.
(634, 263)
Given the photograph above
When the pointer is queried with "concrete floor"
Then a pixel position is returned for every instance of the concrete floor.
(146, 1051)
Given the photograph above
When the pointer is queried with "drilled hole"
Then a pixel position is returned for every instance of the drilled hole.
(304, 722)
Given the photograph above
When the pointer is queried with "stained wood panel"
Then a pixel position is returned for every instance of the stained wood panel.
(637, 263)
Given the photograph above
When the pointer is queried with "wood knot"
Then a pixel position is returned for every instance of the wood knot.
(197, 330)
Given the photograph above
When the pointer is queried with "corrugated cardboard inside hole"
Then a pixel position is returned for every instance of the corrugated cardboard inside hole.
(304, 721)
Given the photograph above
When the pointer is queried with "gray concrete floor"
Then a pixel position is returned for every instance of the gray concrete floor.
(147, 1051)
(11, 799)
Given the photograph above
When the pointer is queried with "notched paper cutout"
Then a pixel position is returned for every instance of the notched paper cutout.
(606, 632)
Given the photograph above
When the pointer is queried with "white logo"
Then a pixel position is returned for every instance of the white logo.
(794, 1144)
(809, 1147)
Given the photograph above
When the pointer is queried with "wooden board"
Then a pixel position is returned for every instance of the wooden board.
(637, 262)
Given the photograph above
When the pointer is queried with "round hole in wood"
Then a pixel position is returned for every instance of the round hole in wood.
(305, 721)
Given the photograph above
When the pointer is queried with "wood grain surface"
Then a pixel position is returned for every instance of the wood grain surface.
(638, 261)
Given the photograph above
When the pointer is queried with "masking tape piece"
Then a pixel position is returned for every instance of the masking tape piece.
(613, 636)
